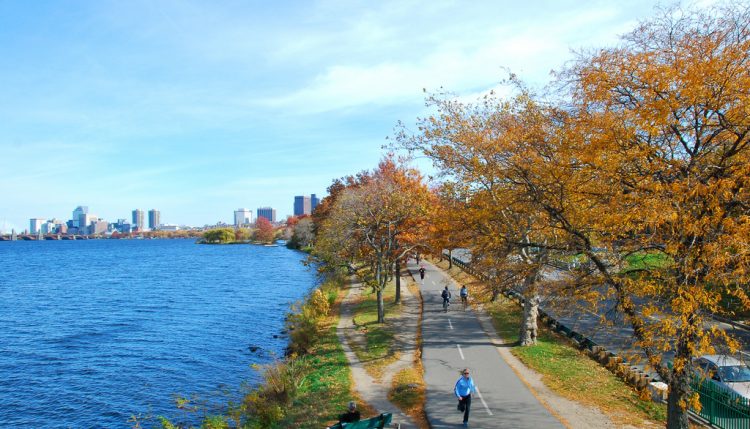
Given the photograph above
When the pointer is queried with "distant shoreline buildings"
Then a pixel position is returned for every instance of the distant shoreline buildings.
(82, 222)
(268, 213)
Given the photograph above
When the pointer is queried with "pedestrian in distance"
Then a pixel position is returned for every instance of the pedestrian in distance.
(463, 390)
(421, 274)
(446, 295)
(464, 296)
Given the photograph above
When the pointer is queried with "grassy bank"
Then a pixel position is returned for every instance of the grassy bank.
(567, 371)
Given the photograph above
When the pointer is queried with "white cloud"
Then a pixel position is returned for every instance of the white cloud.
(471, 62)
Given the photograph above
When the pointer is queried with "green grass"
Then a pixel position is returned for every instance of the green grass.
(377, 351)
(325, 390)
(571, 373)
(647, 261)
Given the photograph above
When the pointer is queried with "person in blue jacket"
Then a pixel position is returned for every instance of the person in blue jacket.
(463, 390)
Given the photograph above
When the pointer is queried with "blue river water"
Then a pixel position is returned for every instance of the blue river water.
(93, 332)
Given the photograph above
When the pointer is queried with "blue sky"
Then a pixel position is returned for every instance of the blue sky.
(199, 108)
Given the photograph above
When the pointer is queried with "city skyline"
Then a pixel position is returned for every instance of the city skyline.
(138, 220)
(199, 108)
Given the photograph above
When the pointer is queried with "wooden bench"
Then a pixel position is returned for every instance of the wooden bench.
(378, 422)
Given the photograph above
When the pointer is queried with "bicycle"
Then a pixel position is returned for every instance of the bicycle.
(465, 301)
(446, 304)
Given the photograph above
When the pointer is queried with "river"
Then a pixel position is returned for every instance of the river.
(93, 332)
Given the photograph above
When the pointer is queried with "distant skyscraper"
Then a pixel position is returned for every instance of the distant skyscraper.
(154, 219)
(268, 213)
(84, 223)
(138, 219)
(243, 217)
(314, 201)
(35, 225)
(302, 205)
(80, 210)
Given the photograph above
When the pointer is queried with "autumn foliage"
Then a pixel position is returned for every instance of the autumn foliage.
(638, 150)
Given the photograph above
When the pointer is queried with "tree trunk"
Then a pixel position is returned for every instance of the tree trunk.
(398, 281)
(495, 293)
(450, 259)
(380, 286)
(529, 324)
(381, 311)
(679, 392)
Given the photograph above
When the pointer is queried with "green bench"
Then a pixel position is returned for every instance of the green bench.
(378, 422)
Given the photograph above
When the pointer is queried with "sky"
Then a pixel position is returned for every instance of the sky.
(197, 108)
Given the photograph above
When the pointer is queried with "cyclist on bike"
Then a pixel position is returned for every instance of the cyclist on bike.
(446, 294)
(464, 296)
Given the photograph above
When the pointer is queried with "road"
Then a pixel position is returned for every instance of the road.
(455, 340)
(617, 338)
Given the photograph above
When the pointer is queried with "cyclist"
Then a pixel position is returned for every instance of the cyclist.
(446, 294)
(464, 296)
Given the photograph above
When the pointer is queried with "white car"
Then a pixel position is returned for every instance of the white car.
(726, 371)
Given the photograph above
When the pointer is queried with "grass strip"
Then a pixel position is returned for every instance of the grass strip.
(377, 349)
(408, 390)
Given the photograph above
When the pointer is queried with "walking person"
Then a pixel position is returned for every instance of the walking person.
(463, 390)
(421, 274)
(464, 296)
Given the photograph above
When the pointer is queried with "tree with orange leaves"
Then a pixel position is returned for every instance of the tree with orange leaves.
(264, 231)
(650, 157)
(667, 131)
(377, 222)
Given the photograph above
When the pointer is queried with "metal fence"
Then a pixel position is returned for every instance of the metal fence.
(721, 407)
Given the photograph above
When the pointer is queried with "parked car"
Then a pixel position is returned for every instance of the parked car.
(728, 372)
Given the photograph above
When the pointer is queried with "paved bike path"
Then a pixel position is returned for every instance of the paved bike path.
(455, 340)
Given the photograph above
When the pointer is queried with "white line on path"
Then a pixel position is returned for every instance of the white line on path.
(460, 352)
(450, 324)
(483, 403)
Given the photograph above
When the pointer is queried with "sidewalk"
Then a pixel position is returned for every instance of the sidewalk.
(456, 340)
(372, 391)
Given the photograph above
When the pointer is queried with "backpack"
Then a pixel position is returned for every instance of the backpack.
(445, 294)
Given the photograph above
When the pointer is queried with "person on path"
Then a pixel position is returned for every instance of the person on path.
(421, 274)
(463, 390)
(351, 415)
(464, 296)
(446, 295)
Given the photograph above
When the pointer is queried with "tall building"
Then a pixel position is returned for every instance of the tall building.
(154, 219)
(84, 223)
(243, 217)
(302, 205)
(138, 219)
(35, 225)
(268, 213)
(314, 201)
(98, 226)
(80, 210)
